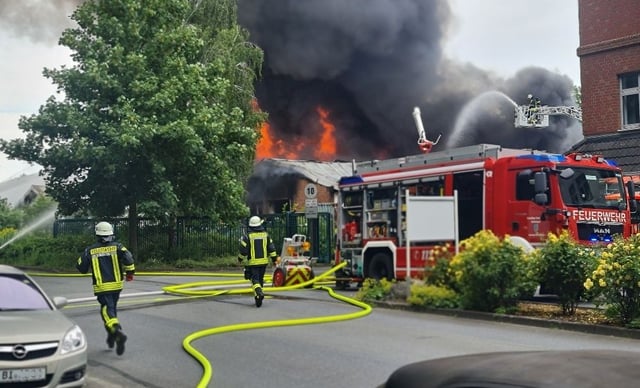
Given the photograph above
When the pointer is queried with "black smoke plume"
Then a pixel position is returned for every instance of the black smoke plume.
(369, 62)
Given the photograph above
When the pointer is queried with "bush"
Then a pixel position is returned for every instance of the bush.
(45, 252)
(207, 263)
(490, 273)
(374, 290)
(6, 234)
(60, 254)
(437, 271)
(424, 295)
(615, 282)
(561, 265)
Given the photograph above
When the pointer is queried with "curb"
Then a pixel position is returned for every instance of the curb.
(519, 320)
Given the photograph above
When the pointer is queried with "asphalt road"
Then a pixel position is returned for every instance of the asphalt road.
(359, 352)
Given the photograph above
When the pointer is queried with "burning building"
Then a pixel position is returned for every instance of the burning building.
(284, 190)
(341, 78)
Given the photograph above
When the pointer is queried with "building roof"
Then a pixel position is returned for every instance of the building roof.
(621, 147)
(327, 174)
(18, 189)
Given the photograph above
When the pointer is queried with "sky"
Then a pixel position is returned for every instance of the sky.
(497, 36)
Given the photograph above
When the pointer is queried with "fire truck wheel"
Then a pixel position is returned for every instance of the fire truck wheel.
(380, 267)
(341, 284)
(278, 277)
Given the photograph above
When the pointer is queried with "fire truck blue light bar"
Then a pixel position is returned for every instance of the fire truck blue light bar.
(555, 158)
(351, 180)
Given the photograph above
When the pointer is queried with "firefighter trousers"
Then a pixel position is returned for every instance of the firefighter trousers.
(109, 311)
(256, 274)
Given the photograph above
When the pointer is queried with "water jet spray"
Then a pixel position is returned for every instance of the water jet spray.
(48, 215)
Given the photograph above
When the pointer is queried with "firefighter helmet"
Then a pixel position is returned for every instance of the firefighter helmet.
(104, 229)
(255, 221)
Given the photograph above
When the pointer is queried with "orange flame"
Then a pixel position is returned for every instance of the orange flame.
(321, 147)
(268, 147)
(327, 146)
(263, 148)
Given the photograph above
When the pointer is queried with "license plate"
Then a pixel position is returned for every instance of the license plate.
(25, 374)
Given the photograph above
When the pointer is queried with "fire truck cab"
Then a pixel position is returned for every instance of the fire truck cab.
(524, 194)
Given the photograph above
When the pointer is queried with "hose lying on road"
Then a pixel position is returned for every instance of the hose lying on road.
(216, 288)
(208, 370)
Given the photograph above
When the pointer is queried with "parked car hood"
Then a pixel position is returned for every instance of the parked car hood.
(33, 326)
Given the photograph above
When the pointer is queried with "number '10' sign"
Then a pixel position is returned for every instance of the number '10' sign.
(310, 191)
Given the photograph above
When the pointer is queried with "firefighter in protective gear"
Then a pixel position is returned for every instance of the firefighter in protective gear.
(110, 264)
(257, 248)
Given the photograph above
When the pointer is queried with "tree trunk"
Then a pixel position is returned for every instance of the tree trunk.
(133, 229)
(172, 232)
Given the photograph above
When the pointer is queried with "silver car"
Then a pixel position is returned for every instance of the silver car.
(39, 345)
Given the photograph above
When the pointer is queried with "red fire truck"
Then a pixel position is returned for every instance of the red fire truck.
(520, 193)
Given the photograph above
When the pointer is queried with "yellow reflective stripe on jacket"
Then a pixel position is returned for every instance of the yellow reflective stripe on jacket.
(243, 246)
(113, 280)
(105, 287)
(95, 268)
(116, 265)
(258, 242)
(128, 268)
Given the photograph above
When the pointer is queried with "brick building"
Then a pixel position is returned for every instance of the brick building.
(277, 185)
(609, 55)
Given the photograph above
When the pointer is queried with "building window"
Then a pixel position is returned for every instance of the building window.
(630, 93)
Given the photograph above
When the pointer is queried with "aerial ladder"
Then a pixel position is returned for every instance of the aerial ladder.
(536, 115)
(424, 144)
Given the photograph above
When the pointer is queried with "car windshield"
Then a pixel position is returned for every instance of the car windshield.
(17, 292)
(589, 187)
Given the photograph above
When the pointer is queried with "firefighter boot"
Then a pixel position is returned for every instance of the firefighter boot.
(259, 296)
(121, 338)
(111, 340)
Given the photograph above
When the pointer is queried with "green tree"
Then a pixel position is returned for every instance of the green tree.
(156, 115)
(9, 218)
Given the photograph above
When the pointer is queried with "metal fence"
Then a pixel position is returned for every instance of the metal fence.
(202, 237)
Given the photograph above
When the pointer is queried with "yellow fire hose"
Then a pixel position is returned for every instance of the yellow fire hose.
(211, 288)
(208, 370)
